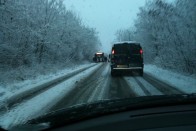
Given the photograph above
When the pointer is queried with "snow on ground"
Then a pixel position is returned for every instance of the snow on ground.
(28, 84)
(101, 89)
(184, 83)
(134, 86)
(40, 104)
(149, 87)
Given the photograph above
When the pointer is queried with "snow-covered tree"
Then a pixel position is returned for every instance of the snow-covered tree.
(43, 32)
(167, 33)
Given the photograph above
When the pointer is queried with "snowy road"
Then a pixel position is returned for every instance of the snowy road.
(100, 85)
(92, 84)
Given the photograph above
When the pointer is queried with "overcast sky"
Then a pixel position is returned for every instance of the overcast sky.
(107, 16)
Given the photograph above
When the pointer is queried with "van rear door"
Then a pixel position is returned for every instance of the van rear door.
(129, 55)
(135, 55)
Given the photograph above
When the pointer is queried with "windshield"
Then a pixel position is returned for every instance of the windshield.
(55, 54)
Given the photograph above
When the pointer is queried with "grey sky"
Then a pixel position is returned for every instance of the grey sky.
(106, 16)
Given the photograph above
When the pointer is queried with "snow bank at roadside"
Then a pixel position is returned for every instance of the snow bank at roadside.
(46, 100)
(28, 84)
(184, 83)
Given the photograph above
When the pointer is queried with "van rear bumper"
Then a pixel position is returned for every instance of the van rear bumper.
(129, 68)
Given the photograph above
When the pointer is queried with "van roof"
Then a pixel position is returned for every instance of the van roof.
(127, 42)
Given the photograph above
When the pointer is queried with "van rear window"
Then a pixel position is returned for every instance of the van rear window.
(127, 49)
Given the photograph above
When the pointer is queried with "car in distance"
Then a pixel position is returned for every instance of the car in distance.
(99, 57)
(126, 57)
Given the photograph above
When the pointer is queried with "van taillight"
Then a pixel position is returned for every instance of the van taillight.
(141, 51)
(112, 51)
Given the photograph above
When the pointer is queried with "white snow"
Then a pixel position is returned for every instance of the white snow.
(28, 84)
(134, 86)
(40, 104)
(100, 90)
(149, 87)
(184, 83)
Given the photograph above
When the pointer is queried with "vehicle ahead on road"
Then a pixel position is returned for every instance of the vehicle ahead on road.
(46, 64)
(125, 57)
(99, 57)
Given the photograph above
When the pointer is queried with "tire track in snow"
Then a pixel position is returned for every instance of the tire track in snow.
(147, 92)
(134, 86)
(100, 91)
(150, 89)
(40, 104)
(26, 95)
(119, 88)
(82, 91)
(161, 86)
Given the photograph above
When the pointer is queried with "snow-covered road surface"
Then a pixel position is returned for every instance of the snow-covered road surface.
(91, 85)
(39, 105)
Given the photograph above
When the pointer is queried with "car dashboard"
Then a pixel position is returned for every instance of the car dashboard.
(170, 118)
